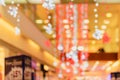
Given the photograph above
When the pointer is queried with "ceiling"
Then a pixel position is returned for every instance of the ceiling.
(103, 9)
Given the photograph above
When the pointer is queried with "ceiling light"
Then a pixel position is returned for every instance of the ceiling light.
(106, 22)
(46, 21)
(109, 15)
(95, 10)
(103, 26)
(39, 21)
(97, 4)
(96, 15)
(96, 21)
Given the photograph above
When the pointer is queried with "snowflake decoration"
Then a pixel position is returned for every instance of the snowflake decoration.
(2, 2)
(49, 28)
(13, 11)
(49, 4)
(98, 34)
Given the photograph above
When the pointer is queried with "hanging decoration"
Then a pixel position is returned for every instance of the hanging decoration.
(98, 34)
(48, 28)
(106, 38)
(2, 2)
(48, 4)
(71, 30)
(13, 11)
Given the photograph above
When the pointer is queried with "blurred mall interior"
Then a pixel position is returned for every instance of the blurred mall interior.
(59, 39)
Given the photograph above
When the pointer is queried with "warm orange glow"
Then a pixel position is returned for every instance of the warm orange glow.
(5, 24)
(33, 44)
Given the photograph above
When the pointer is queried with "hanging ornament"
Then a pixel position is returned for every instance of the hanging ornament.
(13, 11)
(48, 28)
(98, 34)
(17, 31)
(49, 4)
(106, 38)
(2, 2)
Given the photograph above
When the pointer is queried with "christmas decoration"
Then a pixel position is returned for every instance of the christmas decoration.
(98, 34)
(48, 28)
(13, 11)
(48, 4)
(106, 38)
(2, 2)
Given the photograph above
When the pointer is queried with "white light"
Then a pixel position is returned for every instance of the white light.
(104, 27)
(54, 35)
(68, 70)
(18, 20)
(95, 10)
(49, 17)
(84, 31)
(66, 26)
(71, 18)
(60, 75)
(109, 15)
(67, 63)
(48, 28)
(97, 4)
(96, 15)
(96, 21)
(68, 35)
(60, 47)
(80, 48)
(65, 21)
(55, 63)
(106, 22)
(17, 31)
(86, 21)
(71, 6)
(39, 21)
